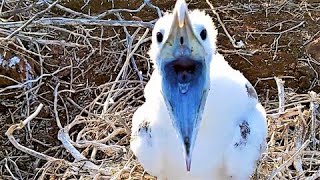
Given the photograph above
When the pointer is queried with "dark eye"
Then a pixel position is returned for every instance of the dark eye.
(159, 37)
(203, 34)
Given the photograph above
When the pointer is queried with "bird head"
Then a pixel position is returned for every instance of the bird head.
(183, 44)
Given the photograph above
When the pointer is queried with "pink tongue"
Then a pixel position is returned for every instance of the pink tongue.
(183, 87)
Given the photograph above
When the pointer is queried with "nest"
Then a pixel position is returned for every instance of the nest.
(70, 82)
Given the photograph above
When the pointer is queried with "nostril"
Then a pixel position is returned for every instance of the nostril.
(181, 40)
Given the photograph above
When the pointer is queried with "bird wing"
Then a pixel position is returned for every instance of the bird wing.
(238, 103)
(144, 135)
(142, 142)
(248, 144)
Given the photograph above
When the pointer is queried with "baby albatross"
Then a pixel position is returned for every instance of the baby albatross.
(201, 119)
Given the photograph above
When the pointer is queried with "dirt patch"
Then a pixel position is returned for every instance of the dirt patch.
(81, 73)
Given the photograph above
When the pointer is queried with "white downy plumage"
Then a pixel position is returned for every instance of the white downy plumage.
(226, 135)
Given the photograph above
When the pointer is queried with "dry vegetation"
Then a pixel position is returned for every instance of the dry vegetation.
(73, 72)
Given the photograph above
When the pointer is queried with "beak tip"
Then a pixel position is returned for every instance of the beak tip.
(181, 9)
(188, 163)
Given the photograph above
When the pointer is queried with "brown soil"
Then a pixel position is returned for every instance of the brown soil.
(267, 61)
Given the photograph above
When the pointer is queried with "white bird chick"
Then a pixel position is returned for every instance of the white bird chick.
(201, 119)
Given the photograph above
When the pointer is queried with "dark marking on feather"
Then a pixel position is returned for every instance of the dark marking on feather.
(244, 132)
(244, 129)
(251, 91)
(144, 127)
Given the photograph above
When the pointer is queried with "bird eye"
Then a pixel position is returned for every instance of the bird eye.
(203, 34)
(159, 37)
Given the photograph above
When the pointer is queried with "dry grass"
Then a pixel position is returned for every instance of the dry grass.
(86, 78)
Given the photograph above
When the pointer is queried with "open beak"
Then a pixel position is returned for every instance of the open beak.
(185, 78)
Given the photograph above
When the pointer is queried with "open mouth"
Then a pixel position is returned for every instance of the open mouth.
(183, 73)
(183, 88)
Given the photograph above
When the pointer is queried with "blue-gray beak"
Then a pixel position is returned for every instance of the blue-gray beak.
(184, 79)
